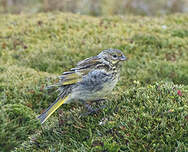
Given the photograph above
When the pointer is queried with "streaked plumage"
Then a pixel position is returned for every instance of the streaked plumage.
(91, 79)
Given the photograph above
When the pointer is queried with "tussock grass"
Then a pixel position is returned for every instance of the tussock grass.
(147, 110)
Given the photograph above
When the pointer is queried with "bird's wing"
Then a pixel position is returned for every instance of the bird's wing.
(76, 74)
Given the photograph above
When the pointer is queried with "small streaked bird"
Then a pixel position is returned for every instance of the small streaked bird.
(91, 80)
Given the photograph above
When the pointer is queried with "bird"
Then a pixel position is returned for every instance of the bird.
(91, 79)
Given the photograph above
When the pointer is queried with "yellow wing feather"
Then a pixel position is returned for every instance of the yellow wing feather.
(71, 79)
(83, 68)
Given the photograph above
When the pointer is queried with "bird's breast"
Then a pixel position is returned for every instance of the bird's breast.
(95, 86)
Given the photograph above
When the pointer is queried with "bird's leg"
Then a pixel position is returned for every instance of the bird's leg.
(91, 110)
(88, 107)
(99, 102)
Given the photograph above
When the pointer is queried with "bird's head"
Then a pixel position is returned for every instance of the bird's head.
(112, 56)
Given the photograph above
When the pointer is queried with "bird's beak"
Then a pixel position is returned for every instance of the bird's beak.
(123, 58)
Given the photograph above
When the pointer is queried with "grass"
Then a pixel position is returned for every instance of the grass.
(147, 111)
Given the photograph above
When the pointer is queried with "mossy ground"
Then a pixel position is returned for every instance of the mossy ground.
(148, 109)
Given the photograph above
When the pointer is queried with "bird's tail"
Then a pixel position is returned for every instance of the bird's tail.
(48, 112)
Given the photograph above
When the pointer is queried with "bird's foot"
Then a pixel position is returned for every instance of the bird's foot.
(91, 110)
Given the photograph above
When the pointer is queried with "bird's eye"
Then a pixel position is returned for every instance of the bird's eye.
(114, 56)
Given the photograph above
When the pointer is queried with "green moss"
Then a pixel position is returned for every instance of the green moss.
(150, 118)
(17, 122)
(148, 40)
(180, 33)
